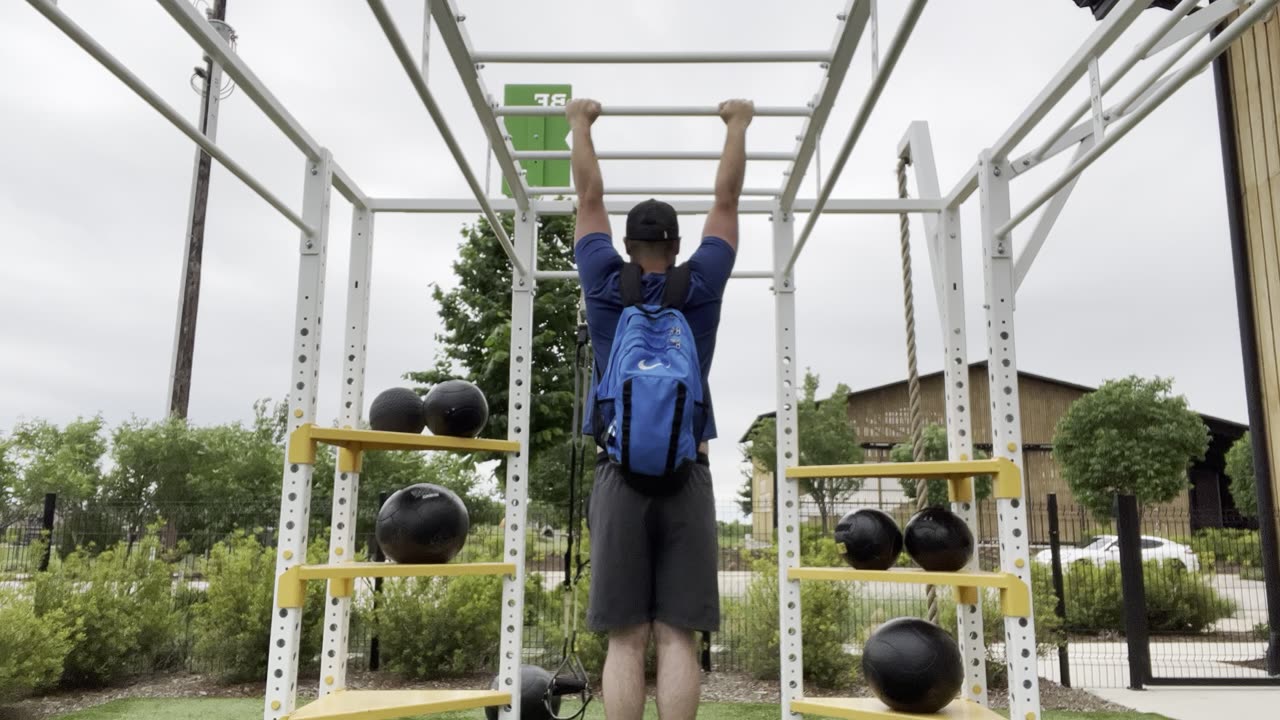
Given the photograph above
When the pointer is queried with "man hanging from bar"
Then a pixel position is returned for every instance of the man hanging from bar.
(652, 511)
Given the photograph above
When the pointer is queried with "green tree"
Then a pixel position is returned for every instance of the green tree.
(826, 438)
(65, 460)
(475, 342)
(1244, 488)
(1130, 436)
(549, 480)
(935, 448)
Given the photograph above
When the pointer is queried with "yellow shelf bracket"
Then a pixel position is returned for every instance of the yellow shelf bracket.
(302, 446)
(291, 589)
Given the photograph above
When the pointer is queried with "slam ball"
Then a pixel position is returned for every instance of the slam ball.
(912, 665)
(939, 540)
(422, 524)
(871, 539)
(534, 698)
(456, 408)
(397, 410)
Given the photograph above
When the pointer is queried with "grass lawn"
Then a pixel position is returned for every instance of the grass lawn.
(250, 709)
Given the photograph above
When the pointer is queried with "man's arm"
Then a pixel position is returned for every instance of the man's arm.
(722, 220)
(587, 180)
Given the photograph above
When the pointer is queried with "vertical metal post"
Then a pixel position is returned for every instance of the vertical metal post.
(1055, 551)
(46, 524)
(184, 333)
(375, 654)
(942, 235)
(1006, 425)
(788, 448)
(295, 494)
(346, 481)
(1129, 535)
(522, 290)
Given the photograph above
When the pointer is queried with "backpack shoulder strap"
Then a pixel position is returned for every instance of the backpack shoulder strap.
(676, 291)
(629, 285)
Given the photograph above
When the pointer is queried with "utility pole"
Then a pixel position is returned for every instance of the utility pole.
(189, 290)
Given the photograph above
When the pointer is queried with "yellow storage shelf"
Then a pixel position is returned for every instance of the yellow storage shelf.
(387, 704)
(292, 586)
(303, 441)
(1015, 599)
(873, 709)
(1006, 480)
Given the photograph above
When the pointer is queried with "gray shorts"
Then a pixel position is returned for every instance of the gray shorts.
(653, 557)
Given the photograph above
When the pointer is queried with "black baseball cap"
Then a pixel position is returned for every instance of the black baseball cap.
(652, 220)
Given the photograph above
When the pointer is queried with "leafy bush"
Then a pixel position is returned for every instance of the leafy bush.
(826, 609)
(429, 627)
(1044, 600)
(1244, 487)
(1231, 547)
(233, 624)
(117, 608)
(1177, 601)
(33, 648)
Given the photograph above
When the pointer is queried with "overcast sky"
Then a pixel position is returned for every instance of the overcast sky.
(1136, 277)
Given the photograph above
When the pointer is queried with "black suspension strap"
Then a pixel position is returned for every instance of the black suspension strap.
(570, 677)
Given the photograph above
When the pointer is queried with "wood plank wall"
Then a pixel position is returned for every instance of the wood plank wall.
(1254, 67)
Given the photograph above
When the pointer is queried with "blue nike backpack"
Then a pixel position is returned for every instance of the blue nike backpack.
(649, 401)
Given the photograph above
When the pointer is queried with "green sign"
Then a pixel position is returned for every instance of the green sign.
(549, 132)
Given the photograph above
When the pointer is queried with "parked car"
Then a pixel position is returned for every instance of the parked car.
(1102, 549)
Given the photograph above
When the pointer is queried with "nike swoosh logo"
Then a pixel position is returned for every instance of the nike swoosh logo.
(643, 366)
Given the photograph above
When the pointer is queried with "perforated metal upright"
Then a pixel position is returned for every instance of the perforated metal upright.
(523, 287)
(1006, 425)
(942, 238)
(295, 499)
(346, 474)
(790, 639)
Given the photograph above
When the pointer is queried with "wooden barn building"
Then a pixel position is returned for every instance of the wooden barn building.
(881, 419)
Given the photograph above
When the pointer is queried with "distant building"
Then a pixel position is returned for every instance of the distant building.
(881, 419)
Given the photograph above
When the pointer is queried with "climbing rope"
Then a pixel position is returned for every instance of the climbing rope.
(913, 375)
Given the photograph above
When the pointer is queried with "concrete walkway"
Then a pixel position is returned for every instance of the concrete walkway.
(1198, 703)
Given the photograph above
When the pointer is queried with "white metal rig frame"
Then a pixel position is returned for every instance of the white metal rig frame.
(1178, 33)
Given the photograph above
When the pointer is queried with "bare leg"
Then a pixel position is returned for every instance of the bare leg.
(624, 673)
(679, 677)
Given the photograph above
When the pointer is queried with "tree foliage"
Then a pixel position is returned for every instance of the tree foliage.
(826, 438)
(1244, 488)
(475, 342)
(42, 457)
(1130, 436)
(935, 448)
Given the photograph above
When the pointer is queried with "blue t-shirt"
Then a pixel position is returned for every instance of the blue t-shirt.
(599, 268)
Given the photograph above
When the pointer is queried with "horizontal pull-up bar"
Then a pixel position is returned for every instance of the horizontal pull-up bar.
(650, 155)
(650, 110)
(410, 65)
(115, 67)
(887, 206)
(573, 274)
(632, 58)
(652, 190)
(1122, 128)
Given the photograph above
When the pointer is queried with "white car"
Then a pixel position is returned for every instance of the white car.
(1102, 549)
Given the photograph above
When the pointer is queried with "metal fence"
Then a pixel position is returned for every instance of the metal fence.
(1206, 603)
